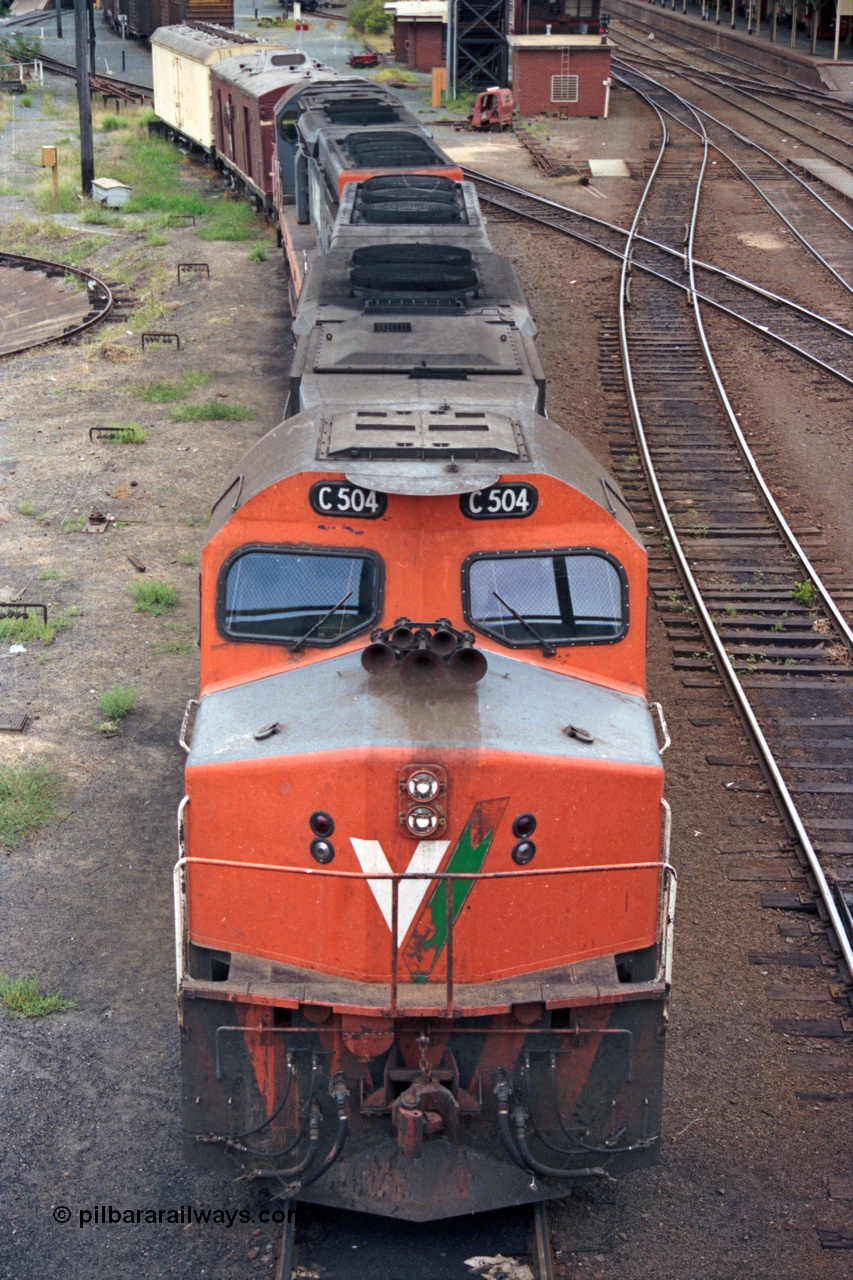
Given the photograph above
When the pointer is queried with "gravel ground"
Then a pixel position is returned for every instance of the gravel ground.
(91, 1116)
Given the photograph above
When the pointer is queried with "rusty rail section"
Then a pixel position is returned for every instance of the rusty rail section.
(101, 300)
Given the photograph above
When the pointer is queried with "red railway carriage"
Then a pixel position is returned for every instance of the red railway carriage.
(422, 919)
(245, 92)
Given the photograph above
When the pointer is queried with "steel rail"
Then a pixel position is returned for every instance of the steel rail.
(60, 68)
(714, 55)
(698, 111)
(60, 268)
(794, 90)
(714, 639)
(761, 329)
(693, 78)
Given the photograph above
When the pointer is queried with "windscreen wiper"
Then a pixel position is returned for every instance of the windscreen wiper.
(297, 644)
(545, 645)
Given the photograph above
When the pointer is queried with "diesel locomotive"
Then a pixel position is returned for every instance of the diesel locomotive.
(423, 896)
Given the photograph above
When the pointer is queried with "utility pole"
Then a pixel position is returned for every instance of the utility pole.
(84, 96)
(58, 19)
(93, 70)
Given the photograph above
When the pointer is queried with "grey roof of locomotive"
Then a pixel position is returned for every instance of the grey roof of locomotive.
(327, 295)
(350, 228)
(351, 105)
(326, 439)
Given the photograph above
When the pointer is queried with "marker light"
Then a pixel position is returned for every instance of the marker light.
(422, 821)
(323, 825)
(322, 851)
(524, 852)
(524, 826)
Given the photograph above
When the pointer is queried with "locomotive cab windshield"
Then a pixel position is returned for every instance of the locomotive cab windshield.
(524, 599)
(284, 596)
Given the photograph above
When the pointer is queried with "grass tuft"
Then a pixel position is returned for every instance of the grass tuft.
(257, 253)
(167, 391)
(23, 998)
(115, 703)
(153, 597)
(27, 508)
(31, 796)
(213, 411)
(131, 434)
(31, 628)
(230, 220)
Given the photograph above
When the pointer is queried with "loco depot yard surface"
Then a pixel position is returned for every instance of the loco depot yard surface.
(90, 1115)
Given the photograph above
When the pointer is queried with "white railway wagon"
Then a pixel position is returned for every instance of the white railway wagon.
(180, 60)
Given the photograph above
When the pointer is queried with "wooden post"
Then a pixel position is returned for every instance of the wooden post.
(439, 84)
(50, 160)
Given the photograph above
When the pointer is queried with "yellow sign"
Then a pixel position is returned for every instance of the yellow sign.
(48, 157)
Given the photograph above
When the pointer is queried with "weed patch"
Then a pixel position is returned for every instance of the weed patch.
(131, 434)
(115, 703)
(31, 796)
(23, 998)
(30, 629)
(230, 220)
(804, 593)
(213, 411)
(153, 597)
(166, 392)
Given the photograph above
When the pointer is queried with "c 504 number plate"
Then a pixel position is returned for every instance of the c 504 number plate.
(500, 502)
(335, 498)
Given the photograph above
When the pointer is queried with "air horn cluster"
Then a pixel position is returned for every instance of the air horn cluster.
(426, 653)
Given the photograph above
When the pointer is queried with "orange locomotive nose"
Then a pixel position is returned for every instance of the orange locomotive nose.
(335, 820)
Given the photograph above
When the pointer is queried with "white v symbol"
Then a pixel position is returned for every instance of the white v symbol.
(426, 858)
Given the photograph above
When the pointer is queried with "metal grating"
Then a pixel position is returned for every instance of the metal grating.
(13, 721)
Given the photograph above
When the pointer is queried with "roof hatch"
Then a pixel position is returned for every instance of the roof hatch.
(429, 433)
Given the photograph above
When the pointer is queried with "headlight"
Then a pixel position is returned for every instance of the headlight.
(423, 786)
(422, 821)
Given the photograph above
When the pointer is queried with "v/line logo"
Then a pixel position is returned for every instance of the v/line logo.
(422, 903)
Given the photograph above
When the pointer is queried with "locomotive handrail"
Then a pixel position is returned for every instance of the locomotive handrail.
(666, 909)
(182, 736)
(667, 740)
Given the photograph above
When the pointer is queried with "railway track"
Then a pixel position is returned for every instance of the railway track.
(738, 71)
(357, 1248)
(820, 228)
(816, 338)
(775, 633)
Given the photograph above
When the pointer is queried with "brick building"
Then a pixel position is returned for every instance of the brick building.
(420, 33)
(562, 75)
